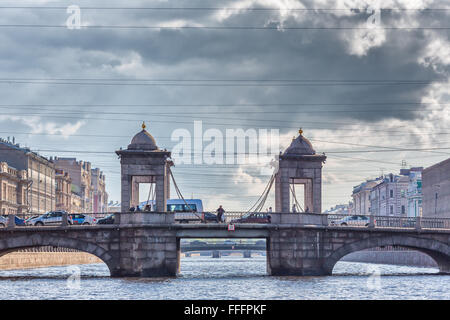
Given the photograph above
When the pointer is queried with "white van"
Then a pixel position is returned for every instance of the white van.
(185, 212)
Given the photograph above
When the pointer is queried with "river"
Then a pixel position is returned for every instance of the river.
(229, 277)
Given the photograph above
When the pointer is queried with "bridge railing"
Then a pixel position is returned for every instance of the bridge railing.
(333, 220)
(435, 223)
(388, 222)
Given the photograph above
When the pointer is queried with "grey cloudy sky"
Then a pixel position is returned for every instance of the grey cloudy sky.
(404, 104)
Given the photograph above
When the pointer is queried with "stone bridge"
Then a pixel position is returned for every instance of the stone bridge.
(148, 244)
(222, 247)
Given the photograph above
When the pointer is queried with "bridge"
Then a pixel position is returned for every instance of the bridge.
(218, 248)
(148, 244)
(305, 243)
(222, 247)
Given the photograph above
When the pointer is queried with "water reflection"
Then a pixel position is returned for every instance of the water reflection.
(230, 278)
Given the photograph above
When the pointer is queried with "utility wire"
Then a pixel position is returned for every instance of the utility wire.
(235, 28)
(255, 9)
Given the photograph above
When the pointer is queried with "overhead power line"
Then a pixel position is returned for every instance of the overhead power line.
(200, 105)
(238, 28)
(217, 83)
(254, 9)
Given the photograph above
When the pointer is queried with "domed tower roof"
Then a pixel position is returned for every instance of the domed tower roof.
(300, 146)
(143, 141)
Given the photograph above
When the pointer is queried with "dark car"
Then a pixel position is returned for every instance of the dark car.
(198, 243)
(256, 217)
(209, 217)
(109, 219)
(18, 221)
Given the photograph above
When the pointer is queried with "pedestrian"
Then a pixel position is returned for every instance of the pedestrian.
(220, 213)
(269, 210)
(307, 210)
(294, 208)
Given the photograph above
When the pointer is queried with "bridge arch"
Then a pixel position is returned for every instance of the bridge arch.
(14, 243)
(438, 251)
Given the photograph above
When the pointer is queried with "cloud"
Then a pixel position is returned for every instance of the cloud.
(38, 125)
(325, 112)
(436, 54)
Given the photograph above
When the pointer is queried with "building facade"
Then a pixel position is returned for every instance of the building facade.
(100, 197)
(436, 190)
(63, 191)
(414, 193)
(344, 209)
(80, 174)
(362, 197)
(13, 190)
(389, 197)
(88, 185)
(40, 195)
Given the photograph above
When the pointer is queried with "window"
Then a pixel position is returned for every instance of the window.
(403, 210)
(391, 209)
(181, 208)
(391, 193)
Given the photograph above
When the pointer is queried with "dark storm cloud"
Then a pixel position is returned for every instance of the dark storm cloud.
(219, 54)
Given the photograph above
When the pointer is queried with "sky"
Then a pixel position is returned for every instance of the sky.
(369, 88)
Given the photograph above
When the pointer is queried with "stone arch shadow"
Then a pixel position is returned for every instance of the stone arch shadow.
(23, 242)
(438, 251)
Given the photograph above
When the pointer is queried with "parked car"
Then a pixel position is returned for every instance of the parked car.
(18, 221)
(198, 243)
(229, 242)
(255, 217)
(82, 219)
(49, 218)
(3, 222)
(109, 219)
(354, 221)
(209, 217)
(260, 242)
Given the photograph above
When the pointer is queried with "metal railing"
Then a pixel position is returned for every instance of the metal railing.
(331, 220)
(388, 222)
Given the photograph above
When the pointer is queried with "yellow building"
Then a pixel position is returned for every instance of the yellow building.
(40, 196)
(13, 190)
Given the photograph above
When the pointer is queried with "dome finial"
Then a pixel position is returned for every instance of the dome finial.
(300, 131)
(143, 125)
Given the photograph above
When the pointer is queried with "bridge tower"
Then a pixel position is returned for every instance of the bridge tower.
(144, 162)
(299, 164)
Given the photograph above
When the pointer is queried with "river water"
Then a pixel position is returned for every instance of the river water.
(229, 277)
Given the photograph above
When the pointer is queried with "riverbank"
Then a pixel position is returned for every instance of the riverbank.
(30, 260)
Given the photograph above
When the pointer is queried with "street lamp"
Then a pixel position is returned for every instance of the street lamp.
(437, 187)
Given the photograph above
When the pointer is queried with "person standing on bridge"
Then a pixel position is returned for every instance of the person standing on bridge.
(220, 213)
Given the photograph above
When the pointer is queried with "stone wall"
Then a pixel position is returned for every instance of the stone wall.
(149, 252)
(28, 260)
(436, 190)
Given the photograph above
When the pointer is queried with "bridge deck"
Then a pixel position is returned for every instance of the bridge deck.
(244, 230)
